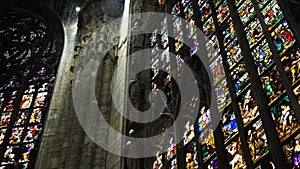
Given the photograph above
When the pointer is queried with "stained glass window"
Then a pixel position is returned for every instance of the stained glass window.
(34, 53)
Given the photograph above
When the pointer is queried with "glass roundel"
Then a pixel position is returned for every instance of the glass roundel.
(29, 55)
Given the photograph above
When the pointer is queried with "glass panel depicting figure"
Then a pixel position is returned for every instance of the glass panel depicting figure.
(179, 41)
(213, 48)
(235, 155)
(283, 37)
(171, 151)
(176, 11)
(229, 125)
(239, 77)
(177, 26)
(204, 119)
(5, 119)
(272, 84)
(233, 53)
(248, 107)
(207, 143)
(222, 12)
(21, 118)
(284, 118)
(205, 10)
(228, 32)
(213, 164)
(190, 28)
(189, 133)
(246, 11)
(272, 14)
(254, 32)
(194, 49)
(223, 95)
(209, 27)
(217, 69)
(190, 151)
(10, 155)
(158, 164)
(262, 56)
(292, 152)
(262, 3)
(291, 64)
(257, 141)
(188, 12)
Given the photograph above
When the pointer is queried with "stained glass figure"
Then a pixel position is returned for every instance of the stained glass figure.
(235, 155)
(228, 32)
(204, 119)
(248, 106)
(223, 95)
(217, 69)
(239, 77)
(284, 117)
(262, 56)
(229, 124)
(209, 27)
(291, 64)
(205, 10)
(254, 32)
(272, 84)
(213, 47)
(158, 164)
(292, 152)
(283, 37)
(222, 12)
(272, 14)
(257, 141)
(246, 11)
(233, 53)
